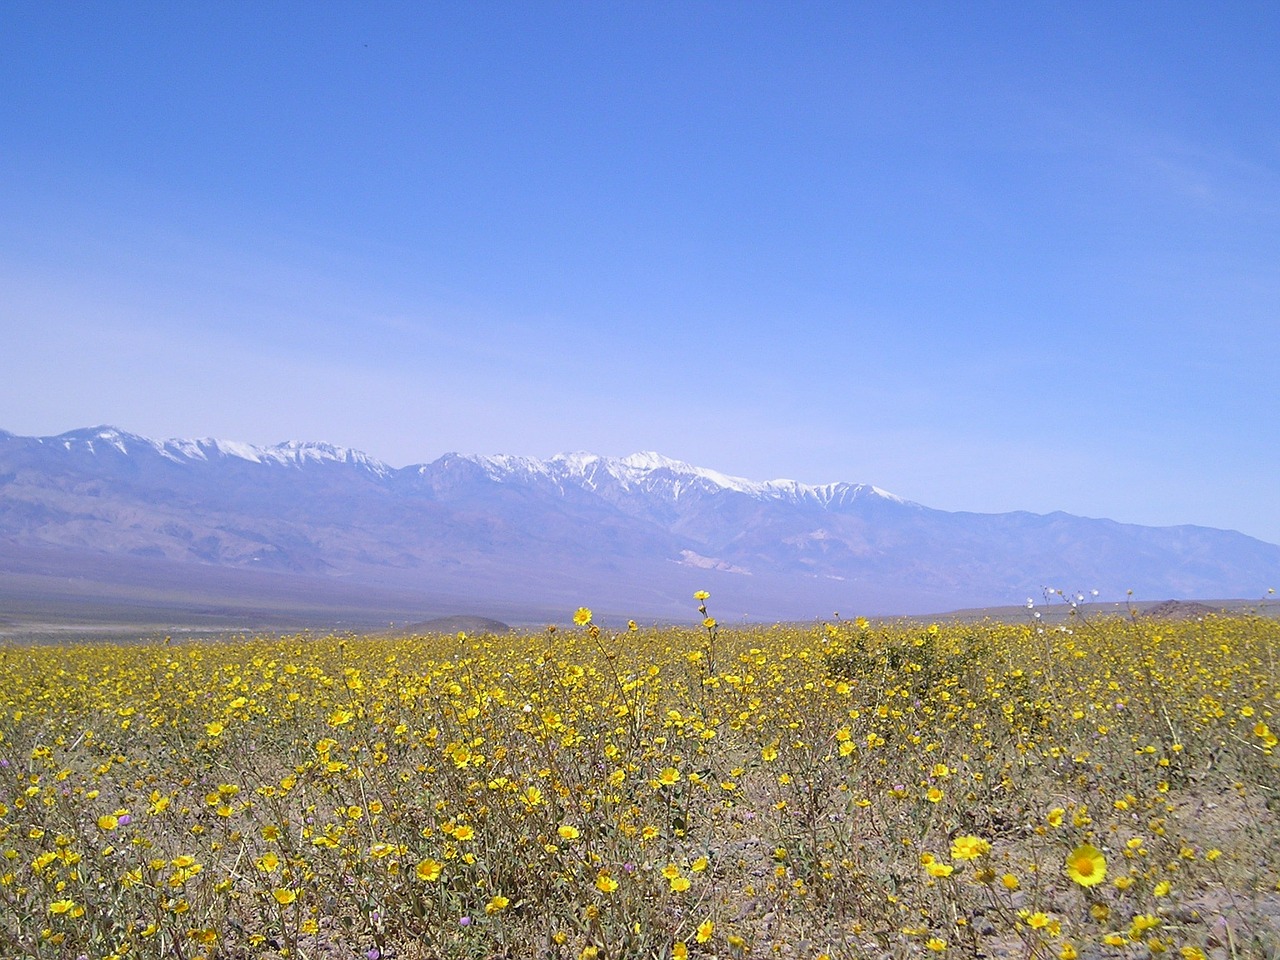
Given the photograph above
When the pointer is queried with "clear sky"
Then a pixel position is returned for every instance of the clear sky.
(988, 256)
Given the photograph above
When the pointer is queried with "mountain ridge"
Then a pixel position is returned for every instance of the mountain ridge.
(583, 465)
(636, 533)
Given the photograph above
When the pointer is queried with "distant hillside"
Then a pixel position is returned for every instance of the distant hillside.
(518, 537)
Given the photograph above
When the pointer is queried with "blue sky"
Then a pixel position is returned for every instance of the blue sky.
(987, 256)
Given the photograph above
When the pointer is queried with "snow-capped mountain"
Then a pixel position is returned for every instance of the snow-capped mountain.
(653, 475)
(108, 441)
(636, 534)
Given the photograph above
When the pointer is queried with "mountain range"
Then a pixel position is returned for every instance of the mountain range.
(100, 511)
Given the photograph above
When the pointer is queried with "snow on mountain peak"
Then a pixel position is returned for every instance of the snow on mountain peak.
(646, 472)
(299, 451)
(654, 473)
(100, 437)
(649, 460)
(885, 494)
(184, 451)
(640, 465)
(578, 462)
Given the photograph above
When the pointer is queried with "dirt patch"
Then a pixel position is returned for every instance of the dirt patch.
(1180, 610)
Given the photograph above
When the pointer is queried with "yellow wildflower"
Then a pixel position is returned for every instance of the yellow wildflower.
(1086, 865)
(969, 847)
(428, 870)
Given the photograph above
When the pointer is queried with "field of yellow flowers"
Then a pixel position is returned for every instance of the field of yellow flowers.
(1109, 788)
